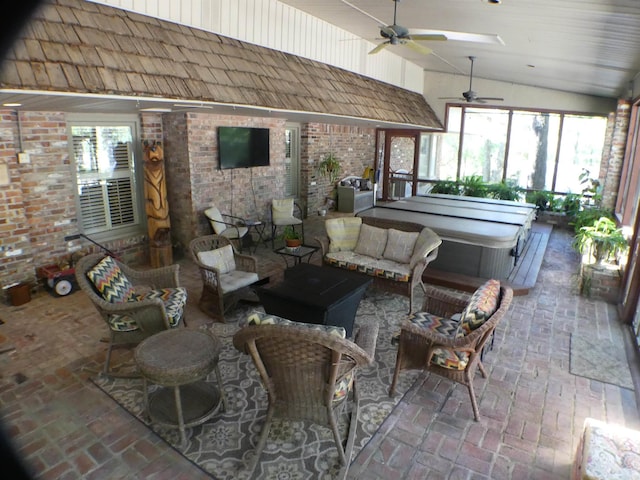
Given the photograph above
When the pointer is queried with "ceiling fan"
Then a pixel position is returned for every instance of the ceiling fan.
(470, 96)
(399, 35)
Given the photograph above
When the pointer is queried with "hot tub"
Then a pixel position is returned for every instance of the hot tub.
(473, 247)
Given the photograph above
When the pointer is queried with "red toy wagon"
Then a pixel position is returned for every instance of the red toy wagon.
(60, 281)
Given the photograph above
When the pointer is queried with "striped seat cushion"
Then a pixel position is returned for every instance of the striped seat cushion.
(174, 300)
(446, 358)
(381, 268)
(448, 327)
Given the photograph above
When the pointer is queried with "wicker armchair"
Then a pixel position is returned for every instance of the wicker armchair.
(301, 369)
(159, 305)
(421, 345)
(221, 287)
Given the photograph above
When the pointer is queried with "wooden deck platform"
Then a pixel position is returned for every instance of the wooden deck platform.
(523, 276)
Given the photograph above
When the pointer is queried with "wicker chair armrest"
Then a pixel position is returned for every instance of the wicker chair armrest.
(366, 338)
(420, 266)
(208, 273)
(443, 304)
(163, 277)
(152, 317)
(323, 242)
(246, 263)
(149, 314)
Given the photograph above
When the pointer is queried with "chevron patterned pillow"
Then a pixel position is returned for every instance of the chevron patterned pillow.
(110, 282)
(482, 304)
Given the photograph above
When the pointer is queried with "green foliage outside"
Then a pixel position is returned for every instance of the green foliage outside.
(474, 186)
(449, 187)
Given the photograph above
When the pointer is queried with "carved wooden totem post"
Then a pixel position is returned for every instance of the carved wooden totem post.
(156, 205)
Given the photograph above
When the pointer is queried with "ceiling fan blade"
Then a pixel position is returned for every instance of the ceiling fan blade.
(379, 48)
(492, 99)
(487, 38)
(429, 37)
(417, 47)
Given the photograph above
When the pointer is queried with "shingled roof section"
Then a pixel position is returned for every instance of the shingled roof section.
(83, 47)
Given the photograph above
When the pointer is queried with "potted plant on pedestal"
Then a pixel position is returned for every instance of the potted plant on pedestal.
(603, 240)
(292, 239)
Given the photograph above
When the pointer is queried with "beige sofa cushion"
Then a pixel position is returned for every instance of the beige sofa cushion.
(400, 245)
(371, 241)
(343, 233)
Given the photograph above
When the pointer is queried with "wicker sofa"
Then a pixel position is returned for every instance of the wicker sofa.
(395, 254)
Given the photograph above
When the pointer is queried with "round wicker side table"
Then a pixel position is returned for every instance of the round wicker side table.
(179, 360)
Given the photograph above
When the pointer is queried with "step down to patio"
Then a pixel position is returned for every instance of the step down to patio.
(523, 276)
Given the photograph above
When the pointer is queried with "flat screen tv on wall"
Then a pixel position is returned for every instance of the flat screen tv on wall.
(243, 147)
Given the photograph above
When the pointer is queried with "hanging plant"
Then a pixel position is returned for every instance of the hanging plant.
(329, 167)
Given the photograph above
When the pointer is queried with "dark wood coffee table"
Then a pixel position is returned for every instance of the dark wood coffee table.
(313, 294)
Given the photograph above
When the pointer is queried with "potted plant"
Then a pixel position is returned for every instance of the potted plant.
(330, 168)
(292, 238)
(603, 239)
(449, 187)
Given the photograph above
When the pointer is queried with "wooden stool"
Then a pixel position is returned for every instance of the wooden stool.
(181, 359)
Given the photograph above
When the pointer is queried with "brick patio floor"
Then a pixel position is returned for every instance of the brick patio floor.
(532, 407)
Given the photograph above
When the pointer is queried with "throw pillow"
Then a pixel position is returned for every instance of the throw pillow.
(343, 233)
(400, 245)
(220, 258)
(482, 304)
(371, 241)
(110, 282)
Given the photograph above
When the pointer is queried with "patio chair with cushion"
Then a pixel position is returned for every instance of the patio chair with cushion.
(285, 212)
(309, 372)
(135, 304)
(448, 335)
(225, 273)
(229, 226)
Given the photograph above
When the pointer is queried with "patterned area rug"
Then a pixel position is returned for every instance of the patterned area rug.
(603, 360)
(224, 445)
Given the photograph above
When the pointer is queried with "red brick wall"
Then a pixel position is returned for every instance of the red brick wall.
(195, 180)
(15, 245)
(353, 146)
(38, 208)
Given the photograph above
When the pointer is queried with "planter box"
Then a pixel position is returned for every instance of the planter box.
(558, 219)
(601, 282)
